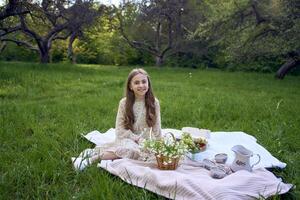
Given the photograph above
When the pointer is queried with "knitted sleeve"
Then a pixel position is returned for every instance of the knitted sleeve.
(157, 126)
(121, 131)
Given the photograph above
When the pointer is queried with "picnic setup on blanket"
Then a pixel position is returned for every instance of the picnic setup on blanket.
(226, 165)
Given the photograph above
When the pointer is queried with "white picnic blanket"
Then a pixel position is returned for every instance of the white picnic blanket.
(218, 142)
(190, 181)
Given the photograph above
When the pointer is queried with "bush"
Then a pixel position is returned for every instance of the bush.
(14, 52)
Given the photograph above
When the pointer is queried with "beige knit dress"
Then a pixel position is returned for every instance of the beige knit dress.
(124, 145)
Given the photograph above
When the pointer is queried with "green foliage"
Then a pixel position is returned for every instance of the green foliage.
(232, 28)
(59, 51)
(187, 60)
(103, 44)
(44, 111)
(223, 34)
(17, 53)
(170, 147)
(188, 140)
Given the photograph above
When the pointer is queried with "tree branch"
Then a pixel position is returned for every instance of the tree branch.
(157, 36)
(27, 31)
(20, 43)
(258, 17)
(170, 37)
(290, 64)
(136, 44)
(12, 9)
(5, 31)
(62, 37)
(3, 46)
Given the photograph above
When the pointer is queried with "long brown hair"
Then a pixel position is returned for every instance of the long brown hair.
(130, 99)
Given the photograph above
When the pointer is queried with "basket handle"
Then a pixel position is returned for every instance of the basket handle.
(171, 135)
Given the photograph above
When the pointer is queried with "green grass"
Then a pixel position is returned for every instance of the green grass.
(44, 109)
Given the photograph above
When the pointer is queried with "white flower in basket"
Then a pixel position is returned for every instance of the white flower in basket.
(167, 150)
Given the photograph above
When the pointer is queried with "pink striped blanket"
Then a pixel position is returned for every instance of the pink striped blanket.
(190, 182)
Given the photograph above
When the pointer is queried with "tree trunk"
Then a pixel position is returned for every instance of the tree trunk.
(159, 61)
(44, 49)
(71, 55)
(3, 46)
(259, 18)
(44, 54)
(286, 67)
(44, 57)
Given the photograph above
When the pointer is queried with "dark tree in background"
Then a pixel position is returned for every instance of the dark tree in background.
(44, 21)
(158, 27)
(12, 8)
(282, 24)
(252, 31)
(248, 35)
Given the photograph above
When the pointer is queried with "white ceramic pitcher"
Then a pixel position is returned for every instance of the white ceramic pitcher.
(242, 158)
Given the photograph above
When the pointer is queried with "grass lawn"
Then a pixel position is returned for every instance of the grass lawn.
(44, 109)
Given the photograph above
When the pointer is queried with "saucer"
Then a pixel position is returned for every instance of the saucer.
(208, 164)
(217, 172)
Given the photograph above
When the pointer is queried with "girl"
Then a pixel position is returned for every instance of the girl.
(138, 114)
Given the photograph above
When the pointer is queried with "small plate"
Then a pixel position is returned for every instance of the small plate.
(221, 158)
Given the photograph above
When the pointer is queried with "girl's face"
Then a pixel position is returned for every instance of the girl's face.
(139, 85)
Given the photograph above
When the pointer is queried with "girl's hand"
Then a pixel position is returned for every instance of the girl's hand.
(136, 139)
(140, 140)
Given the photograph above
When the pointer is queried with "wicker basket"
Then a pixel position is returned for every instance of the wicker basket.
(165, 163)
